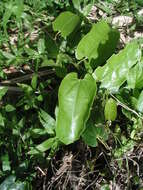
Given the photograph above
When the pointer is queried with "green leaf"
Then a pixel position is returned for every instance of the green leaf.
(47, 121)
(135, 76)
(18, 9)
(93, 132)
(99, 43)
(41, 46)
(3, 91)
(8, 55)
(44, 146)
(7, 14)
(140, 102)
(34, 81)
(7, 182)
(9, 108)
(51, 47)
(66, 23)
(113, 74)
(36, 132)
(110, 110)
(86, 7)
(17, 186)
(1, 120)
(5, 163)
(75, 100)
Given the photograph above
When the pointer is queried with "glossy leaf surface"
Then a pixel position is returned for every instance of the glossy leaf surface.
(66, 23)
(113, 74)
(99, 43)
(75, 100)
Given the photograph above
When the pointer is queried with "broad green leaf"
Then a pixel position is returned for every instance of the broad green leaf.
(75, 100)
(113, 74)
(93, 132)
(140, 102)
(99, 43)
(135, 76)
(66, 23)
(3, 91)
(44, 146)
(47, 121)
(110, 110)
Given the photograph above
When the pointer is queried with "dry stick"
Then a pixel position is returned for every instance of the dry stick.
(21, 79)
(126, 107)
(26, 77)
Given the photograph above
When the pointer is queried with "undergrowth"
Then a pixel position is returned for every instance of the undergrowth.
(71, 101)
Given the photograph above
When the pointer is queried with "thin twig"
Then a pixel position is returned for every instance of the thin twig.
(126, 107)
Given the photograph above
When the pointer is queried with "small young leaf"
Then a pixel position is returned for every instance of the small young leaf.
(47, 121)
(66, 23)
(3, 91)
(34, 81)
(44, 146)
(110, 110)
(9, 108)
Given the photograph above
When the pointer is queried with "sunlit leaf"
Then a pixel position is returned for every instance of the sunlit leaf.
(99, 43)
(75, 100)
(66, 23)
(113, 74)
